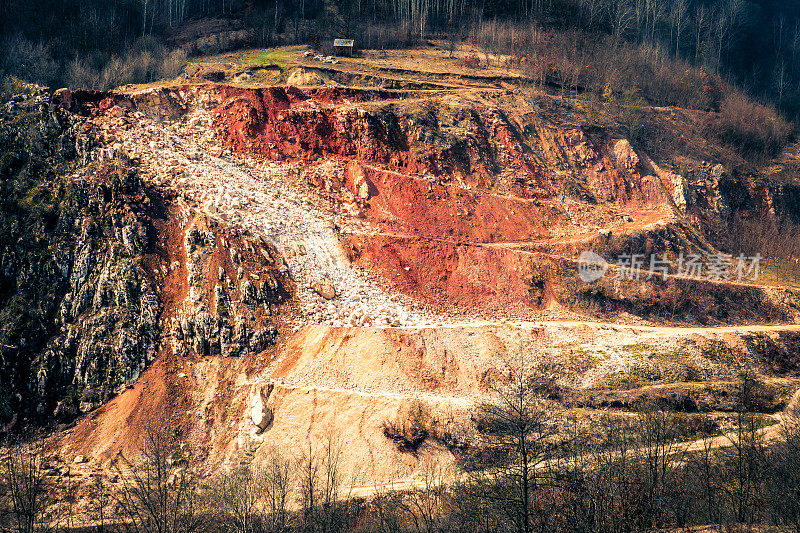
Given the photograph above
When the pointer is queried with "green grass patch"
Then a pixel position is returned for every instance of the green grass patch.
(273, 56)
(637, 349)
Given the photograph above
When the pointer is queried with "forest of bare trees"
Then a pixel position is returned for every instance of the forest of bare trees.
(756, 45)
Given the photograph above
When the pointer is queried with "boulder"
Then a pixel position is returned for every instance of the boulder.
(324, 288)
(260, 413)
(62, 98)
(626, 156)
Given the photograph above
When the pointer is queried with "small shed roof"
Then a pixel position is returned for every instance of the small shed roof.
(343, 42)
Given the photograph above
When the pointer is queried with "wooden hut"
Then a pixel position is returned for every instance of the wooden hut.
(343, 47)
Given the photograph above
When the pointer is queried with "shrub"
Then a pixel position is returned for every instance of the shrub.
(471, 61)
(146, 61)
(753, 129)
(26, 492)
(410, 433)
(161, 492)
(27, 60)
(81, 73)
(637, 376)
(174, 63)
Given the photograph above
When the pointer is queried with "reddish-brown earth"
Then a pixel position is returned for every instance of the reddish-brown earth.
(486, 280)
(280, 123)
(405, 204)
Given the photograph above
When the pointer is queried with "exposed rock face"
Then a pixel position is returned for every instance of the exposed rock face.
(358, 183)
(466, 210)
(79, 311)
(241, 304)
(84, 265)
(478, 147)
(62, 98)
(706, 202)
(680, 191)
(109, 313)
(626, 156)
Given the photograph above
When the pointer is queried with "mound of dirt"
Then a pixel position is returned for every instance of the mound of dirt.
(304, 77)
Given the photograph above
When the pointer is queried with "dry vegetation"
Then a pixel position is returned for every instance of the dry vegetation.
(623, 78)
(145, 62)
(756, 130)
(529, 468)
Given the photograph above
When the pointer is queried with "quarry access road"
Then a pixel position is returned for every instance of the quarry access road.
(668, 331)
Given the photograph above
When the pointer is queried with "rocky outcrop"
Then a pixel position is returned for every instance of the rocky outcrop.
(79, 309)
(108, 316)
(85, 263)
(234, 286)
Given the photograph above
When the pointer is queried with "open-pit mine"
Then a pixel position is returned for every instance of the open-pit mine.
(262, 268)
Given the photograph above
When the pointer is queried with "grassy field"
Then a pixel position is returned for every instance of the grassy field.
(283, 56)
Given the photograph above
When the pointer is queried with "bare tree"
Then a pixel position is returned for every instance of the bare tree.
(160, 493)
(27, 493)
(743, 461)
(621, 16)
(387, 511)
(661, 461)
(423, 506)
(100, 499)
(591, 10)
(678, 13)
(278, 471)
(700, 20)
(784, 461)
(519, 424)
(781, 81)
(255, 497)
(323, 499)
(234, 496)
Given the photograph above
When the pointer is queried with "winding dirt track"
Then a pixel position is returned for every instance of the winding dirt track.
(653, 331)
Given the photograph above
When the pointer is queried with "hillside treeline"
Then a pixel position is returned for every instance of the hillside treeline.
(752, 43)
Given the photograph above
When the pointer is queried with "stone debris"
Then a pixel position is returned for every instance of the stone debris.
(257, 196)
(324, 288)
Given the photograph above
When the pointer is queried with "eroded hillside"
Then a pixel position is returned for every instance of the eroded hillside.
(269, 267)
